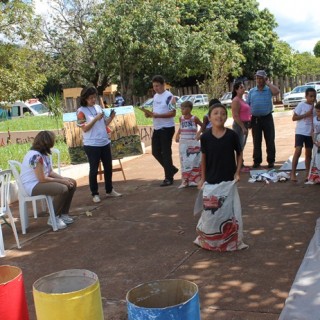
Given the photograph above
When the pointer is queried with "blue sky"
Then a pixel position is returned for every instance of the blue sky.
(298, 21)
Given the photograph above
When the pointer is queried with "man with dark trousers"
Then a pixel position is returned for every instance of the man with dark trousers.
(260, 101)
(163, 114)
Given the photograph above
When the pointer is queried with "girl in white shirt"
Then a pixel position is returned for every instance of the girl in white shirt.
(96, 143)
(38, 178)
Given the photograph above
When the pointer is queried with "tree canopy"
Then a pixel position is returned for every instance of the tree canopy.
(99, 42)
(316, 49)
(21, 74)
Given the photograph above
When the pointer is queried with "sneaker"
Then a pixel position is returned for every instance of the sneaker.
(166, 182)
(183, 185)
(114, 194)
(193, 184)
(256, 165)
(59, 222)
(96, 198)
(66, 219)
(242, 246)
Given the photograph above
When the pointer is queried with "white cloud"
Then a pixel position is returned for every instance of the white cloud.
(298, 22)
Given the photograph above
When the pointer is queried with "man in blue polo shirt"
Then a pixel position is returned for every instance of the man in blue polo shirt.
(260, 101)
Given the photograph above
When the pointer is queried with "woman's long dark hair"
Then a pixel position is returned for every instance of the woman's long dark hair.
(43, 142)
(85, 93)
(236, 86)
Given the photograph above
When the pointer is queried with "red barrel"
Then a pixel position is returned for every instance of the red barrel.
(13, 304)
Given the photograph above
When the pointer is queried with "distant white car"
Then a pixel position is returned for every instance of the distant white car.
(198, 100)
(149, 102)
(32, 107)
(293, 98)
(313, 82)
(226, 99)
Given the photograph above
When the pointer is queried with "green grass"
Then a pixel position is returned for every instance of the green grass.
(49, 123)
(31, 123)
(17, 151)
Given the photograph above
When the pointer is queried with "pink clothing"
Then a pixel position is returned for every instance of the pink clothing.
(245, 111)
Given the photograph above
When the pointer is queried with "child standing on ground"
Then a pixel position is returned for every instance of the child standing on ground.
(220, 225)
(314, 175)
(303, 114)
(189, 147)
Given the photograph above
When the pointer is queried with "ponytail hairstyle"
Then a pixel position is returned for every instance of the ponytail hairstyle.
(236, 86)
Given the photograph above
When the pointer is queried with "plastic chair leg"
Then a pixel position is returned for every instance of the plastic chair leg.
(14, 229)
(34, 208)
(2, 252)
(23, 215)
(51, 213)
(43, 205)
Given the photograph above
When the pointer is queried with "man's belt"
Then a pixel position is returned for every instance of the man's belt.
(262, 116)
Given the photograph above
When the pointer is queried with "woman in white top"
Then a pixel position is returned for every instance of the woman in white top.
(38, 178)
(93, 123)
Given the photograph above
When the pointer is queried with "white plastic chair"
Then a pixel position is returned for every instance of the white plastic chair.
(57, 152)
(24, 199)
(5, 209)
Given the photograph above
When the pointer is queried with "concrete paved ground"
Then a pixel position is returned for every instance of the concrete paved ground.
(148, 235)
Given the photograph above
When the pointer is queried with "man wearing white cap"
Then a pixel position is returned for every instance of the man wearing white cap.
(260, 101)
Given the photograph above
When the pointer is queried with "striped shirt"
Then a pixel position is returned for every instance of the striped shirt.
(260, 101)
(188, 128)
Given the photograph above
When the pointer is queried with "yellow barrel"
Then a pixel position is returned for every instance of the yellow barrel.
(69, 294)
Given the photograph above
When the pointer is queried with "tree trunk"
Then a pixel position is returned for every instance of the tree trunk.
(126, 83)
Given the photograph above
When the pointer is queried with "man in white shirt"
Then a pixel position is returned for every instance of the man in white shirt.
(163, 114)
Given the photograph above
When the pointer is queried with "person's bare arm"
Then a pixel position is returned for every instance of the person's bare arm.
(274, 89)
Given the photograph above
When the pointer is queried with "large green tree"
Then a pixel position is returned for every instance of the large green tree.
(21, 74)
(316, 49)
(70, 38)
(18, 21)
(140, 38)
(282, 63)
(306, 64)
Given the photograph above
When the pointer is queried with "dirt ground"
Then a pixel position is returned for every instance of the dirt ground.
(148, 235)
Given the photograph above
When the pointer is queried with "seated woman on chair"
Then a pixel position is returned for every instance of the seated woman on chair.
(38, 178)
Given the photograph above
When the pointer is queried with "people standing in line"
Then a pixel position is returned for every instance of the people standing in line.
(303, 114)
(220, 225)
(260, 101)
(119, 101)
(314, 175)
(189, 147)
(38, 178)
(241, 114)
(96, 143)
(206, 124)
(163, 114)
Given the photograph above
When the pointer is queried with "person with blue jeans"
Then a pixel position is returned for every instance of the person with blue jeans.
(260, 101)
(163, 114)
(93, 122)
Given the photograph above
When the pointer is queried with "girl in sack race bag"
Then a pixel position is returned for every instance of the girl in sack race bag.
(220, 225)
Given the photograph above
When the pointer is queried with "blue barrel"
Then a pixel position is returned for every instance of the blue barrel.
(164, 299)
